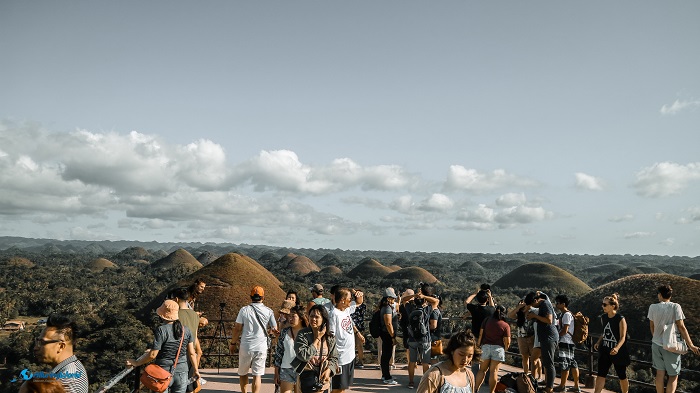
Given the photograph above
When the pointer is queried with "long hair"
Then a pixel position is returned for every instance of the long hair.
(177, 329)
(301, 312)
(296, 296)
(324, 317)
(500, 313)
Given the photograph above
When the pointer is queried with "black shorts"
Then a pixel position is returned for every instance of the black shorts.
(344, 380)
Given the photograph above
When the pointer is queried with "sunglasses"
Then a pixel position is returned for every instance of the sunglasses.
(42, 342)
(605, 304)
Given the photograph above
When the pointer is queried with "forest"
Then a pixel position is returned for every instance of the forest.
(39, 277)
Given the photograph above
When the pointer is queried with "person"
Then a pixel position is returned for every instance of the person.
(358, 320)
(253, 325)
(405, 299)
(316, 351)
(547, 335)
(317, 293)
(480, 311)
(293, 296)
(612, 345)
(566, 345)
(194, 290)
(284, 311)
(420, 305)
(661, 315)
(190, 319)
(342, 328)
(42, 386)
(452, 375)
(494, 340)
(54, 347)
(389, 322)
(435, 323)
(525, 331)
(285, 375)
(168, 339)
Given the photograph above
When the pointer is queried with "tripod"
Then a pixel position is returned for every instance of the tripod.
(219, 336)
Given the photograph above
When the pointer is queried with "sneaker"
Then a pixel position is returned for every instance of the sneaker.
(390, 381)
(575, 389)
(411, 385)
(359, 365)
(202, 381)
(559, 389)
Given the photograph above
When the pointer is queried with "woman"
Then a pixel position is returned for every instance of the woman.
(164, 350)
(293, 296)
(285, 376)
(452, 375)
(494, 340)
(316, 352)
(390, 324)
(525, 331)
(612, 344)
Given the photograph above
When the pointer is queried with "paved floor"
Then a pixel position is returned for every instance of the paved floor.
(366, 380)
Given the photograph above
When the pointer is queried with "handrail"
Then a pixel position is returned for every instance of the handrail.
(136, 382)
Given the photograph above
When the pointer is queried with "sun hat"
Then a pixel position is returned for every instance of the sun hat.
(408, 292)
(389, 292)
(287, 307)
(169, 310)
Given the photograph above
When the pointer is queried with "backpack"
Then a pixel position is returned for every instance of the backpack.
(417, 326)
(510, 380)
(526, 383)
(580, 328)
(375, 325)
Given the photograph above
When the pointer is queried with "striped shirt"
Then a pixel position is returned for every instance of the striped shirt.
(72, 375)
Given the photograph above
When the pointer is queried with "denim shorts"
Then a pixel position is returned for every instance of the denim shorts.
(493, 352)
(288, 375)
(418, 351)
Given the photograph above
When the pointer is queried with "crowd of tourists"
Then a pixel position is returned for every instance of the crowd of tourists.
(318, 345)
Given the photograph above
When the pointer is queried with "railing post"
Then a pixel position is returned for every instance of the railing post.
(137, 379)
(590, 380)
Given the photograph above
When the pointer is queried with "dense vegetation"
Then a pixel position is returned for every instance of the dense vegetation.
(40, 277)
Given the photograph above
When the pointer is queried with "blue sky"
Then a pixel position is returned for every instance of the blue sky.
(394, 125)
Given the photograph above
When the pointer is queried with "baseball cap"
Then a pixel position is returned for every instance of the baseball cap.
(317, 288)
(389, 292)
(257, 291)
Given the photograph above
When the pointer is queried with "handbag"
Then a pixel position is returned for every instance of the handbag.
(309, 380)
(672, 339)
(436, 348)
(155, 378)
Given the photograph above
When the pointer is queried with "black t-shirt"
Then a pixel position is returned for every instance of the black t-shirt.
(611, 336)
(479, 314)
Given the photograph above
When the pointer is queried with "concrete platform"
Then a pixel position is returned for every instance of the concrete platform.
(365, 380)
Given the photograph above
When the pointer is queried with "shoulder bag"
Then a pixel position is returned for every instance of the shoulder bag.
(269, 339)
(672, 339)
(155, 378)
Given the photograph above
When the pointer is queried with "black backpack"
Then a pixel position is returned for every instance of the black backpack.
(417, 327)
(375, 325)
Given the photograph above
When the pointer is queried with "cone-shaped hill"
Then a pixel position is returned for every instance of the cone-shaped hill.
(369, 268)
(329, 260)
(179, 258)
(206, 257)
(636, 294)
(331, 270)
(20, 262)
(472, 267)
(301, 265)
(229, 280)
(605, 268)
(133, 253)
(695, 276)
(543, 276)
(395, 268)
(414, 274)
(100, 264)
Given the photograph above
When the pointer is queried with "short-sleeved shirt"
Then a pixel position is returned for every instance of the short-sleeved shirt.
(72, 375)
(662, 314)
(189, 318)
(167, 345)
(340, 324)
(479, 314)
(547, 332)
(253, 336)
(394, 318)
(494, 331)
(358, 317)
(567, 319)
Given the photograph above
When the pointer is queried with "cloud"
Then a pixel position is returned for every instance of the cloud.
(691, 215)
(679, 106)
(511, 199)
(622, 218)
(588, 182)
(437, 202)
(638, 235)
(511, 210)
(668, 241)
(461, 178)
(665, 179)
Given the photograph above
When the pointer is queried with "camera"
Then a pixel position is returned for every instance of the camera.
(222, 305)
(318, 386)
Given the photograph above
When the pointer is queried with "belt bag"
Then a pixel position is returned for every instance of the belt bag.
(155, 378)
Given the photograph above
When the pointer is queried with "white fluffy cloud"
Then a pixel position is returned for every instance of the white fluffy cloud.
(678, 106)
(666, 179)
(588, 182)
(622, 218)
(638, 235)
(461, 178)
(510, 210)
(437, 202)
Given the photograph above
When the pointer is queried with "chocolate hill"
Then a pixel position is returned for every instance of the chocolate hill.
(133, 253)
(179, 258)
(20, 262)
(100, 264)
(331, 270)
(414, 274)
(395, 268)
(229, 280)
(206, 258)
(636, 294)
(543, 276)
(369, 268)
(329, 259)
(301, 265)
(472, 267)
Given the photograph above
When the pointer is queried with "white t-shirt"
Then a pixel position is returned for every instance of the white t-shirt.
(341, 327)
(289, 352)
(663, 313)
(567, 319)
(253, 336)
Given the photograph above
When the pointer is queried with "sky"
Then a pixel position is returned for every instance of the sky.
(451, 126)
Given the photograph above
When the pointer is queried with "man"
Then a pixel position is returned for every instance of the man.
(566, 344)
(253, 324)
(661, 315)
(54, 347)
(547, 335)
(194, 290)
(341, 326)
(317, 293)
(189, 318)
(480, 311)
(419, 308)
